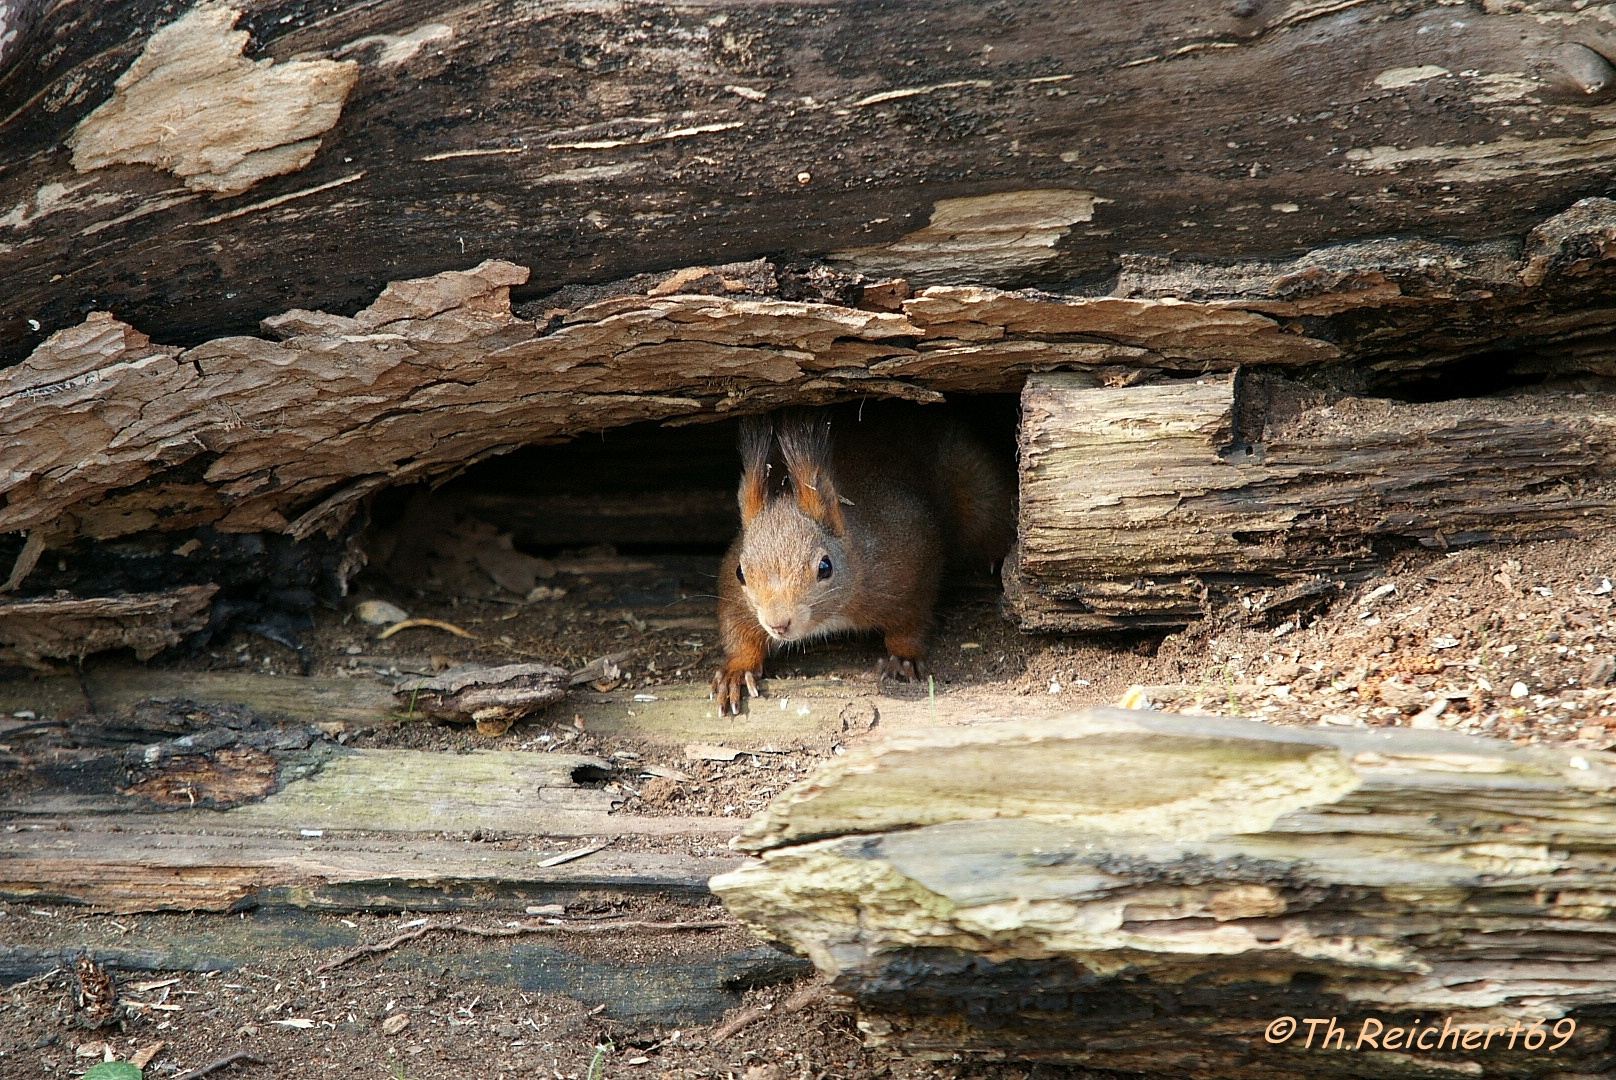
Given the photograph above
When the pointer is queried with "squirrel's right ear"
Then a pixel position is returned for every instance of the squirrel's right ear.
(757, 437)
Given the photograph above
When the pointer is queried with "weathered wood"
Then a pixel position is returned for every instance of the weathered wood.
(64, 627)
(996, 892)
(795, 712)
(698, 985)
(493, 697)
(619, 141)
(188, 863)
(414, 791)
(1148, 506)
(437, 373)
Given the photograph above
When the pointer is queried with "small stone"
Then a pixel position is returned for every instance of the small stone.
(659, 791)
(1403, 698)
(1599, 671)
(507, 1030)
(380, 612)
(1592, 732)
(395, 1024)
(1519, 690)
(1430, 716)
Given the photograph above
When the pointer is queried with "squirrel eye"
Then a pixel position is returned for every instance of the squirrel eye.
(825, 567)
(739, 576)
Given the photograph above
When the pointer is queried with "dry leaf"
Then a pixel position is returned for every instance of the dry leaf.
(143, 1057)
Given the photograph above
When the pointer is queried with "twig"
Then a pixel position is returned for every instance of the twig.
(577, 853)
(512, 931)
(435, 624)
(215, 1066)
(744, 1019)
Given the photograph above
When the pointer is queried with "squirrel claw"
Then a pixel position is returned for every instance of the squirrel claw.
(728, 690)
(900, 667)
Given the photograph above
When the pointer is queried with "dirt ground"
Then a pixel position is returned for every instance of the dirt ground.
(1511, 643)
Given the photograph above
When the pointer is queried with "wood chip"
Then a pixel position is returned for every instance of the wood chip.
(395, 1024)
(148, 987)
(663, 770)
(577, 853)
(143, 1057)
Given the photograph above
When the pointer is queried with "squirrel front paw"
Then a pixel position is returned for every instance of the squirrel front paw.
(728, 685)
(900, 667)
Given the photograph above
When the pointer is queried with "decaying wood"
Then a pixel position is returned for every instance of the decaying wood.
(492, 697)
(552, 927)
(1149, 506)
(1005, 147)
(67, 627)
(197, 862)
(817, 712)
(995, 892)
(438, 373)
(629, 980)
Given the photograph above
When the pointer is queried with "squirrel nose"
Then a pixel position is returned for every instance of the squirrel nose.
(782, 629)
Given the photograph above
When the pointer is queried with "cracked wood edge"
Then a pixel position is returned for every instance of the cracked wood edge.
(1263, 871)
(1150, 505)
(290, 435)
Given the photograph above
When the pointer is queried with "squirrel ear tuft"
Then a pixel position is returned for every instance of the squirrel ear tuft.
(805, 445)
(757, 435)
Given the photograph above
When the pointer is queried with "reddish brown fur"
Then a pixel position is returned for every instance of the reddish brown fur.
(885, 499)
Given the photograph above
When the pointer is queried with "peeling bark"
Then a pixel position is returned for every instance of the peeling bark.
(70, 627)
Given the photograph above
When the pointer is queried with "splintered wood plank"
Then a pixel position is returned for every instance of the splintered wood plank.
(194, 863)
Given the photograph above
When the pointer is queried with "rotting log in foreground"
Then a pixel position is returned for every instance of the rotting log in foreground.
(1150, 506)
(994, 892)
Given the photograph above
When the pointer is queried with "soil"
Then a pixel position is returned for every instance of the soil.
(1511, 643)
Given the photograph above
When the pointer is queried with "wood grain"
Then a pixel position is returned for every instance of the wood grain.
(1151, 505)
(994, 892)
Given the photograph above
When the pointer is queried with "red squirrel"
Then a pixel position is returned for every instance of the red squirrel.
(848, 516)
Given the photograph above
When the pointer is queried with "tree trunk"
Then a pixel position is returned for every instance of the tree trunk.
(1151, 505)
(995, 892)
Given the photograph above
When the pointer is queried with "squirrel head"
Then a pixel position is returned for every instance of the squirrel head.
(793, 565)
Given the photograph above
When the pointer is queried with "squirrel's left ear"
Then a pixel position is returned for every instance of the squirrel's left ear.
(805, 445)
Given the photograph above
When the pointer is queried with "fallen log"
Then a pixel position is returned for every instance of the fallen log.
(994, 892)
(1152, 505)
(230, 143)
